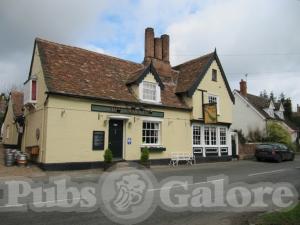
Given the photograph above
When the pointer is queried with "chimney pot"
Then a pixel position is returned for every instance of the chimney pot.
(165, 47)
(158, 48)
(149, 43)
(243, 88)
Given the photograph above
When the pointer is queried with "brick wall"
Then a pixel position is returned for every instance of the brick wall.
(246, 151)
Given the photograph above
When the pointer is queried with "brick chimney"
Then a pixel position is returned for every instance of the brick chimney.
(156, 48)
(157, 51)
(149, 43)
(243, 87)
(165, 47)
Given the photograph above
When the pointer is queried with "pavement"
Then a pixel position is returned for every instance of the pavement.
(33, 171)
(250, 172)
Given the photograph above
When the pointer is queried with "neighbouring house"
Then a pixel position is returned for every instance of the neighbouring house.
(296, 120)
(3, 105)
(79, 103)
(12, 126)
(252, 113)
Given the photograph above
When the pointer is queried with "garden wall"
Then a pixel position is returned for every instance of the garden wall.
(247, 151)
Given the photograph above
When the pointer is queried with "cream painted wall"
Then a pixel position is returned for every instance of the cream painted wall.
(9, 127)
(35, 117)
(246, 118)
(71, 124)
(217, 88)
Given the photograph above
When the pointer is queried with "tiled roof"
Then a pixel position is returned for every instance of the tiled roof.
(16, 98)
(78, 72)
(190, 70)
(260, 103)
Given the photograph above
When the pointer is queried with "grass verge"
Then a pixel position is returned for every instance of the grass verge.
(290, 217)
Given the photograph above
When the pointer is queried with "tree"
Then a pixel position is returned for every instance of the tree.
(272, 96)
(287, 105)
(276, 133)
(264, 94)
(282, 97)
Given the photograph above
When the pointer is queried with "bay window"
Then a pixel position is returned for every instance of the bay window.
(196, 135)
(223, 136)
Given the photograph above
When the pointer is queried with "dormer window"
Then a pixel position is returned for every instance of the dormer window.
(149, 91)
(270, 112)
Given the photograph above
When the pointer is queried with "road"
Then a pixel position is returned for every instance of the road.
(250, 172)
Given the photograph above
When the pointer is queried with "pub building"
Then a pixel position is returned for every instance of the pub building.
(85, 102)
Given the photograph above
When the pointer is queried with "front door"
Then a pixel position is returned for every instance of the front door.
(115, 138)
(233, 145)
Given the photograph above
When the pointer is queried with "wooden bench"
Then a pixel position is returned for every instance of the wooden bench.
(176, 157)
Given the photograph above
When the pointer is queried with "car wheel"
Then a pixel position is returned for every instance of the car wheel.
(279, 158)
(258, 159)
(292, 157)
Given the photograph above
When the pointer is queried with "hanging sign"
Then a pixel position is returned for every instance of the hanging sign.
(210, 113)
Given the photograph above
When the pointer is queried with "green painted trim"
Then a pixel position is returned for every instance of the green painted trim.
(129, 111)
(155, 149)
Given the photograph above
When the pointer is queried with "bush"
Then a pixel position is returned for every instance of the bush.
(276, 133)
(241, 136)
(145, 155)
(256, 135)
(108, 156)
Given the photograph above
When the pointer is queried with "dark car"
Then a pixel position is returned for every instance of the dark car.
(273, 152)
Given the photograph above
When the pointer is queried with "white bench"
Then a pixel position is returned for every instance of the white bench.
(180, 156)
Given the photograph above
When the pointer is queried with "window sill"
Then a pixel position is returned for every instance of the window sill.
(149, 101)
(154, 148)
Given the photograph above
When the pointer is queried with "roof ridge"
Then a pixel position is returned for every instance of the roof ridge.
(83, 49)
(192, 60)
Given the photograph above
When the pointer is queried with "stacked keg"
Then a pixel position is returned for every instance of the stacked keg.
(9, 157)
(22, 159)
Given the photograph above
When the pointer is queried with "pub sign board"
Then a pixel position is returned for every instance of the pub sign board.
(129, 111)
(210, 113)
(98, 140)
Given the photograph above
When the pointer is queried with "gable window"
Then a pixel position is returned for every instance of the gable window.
(151, 133)
(150, 91)
(214, 75)
(214, 99)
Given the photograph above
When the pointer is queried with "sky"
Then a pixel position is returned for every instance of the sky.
(260, 38)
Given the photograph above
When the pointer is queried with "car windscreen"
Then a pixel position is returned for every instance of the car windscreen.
(264, 147)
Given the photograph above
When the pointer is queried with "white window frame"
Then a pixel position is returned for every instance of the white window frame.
(157, 92)
(210, 128)
(28, 91)
(199, 127)
(226, 139)
(217, 98)
(159, 133)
